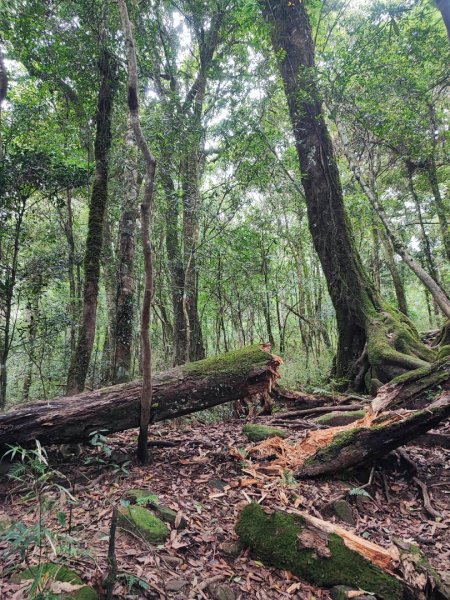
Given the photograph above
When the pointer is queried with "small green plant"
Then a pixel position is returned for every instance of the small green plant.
(133, 582)
(359, 491)
(105, 456)
(47, 490)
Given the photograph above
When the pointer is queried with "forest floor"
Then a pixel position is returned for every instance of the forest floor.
(201, 479)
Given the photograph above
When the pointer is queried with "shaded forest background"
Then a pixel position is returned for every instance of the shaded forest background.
(234, 262)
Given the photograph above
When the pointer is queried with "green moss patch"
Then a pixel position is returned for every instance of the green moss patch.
(61, 573)
(152, 501)
(274, 538)
(257, 433)
(140, 521)
(340, 418)
(236, 362)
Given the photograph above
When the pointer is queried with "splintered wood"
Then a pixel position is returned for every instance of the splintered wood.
(284, 454)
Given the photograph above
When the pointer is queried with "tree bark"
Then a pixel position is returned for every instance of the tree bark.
(81, 357)
(177, 392)
(348, 285)
(395, 274)
(146, 215)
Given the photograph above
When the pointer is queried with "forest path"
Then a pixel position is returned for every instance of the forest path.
(201, 479)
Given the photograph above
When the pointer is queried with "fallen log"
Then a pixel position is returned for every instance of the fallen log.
(302, 400)
(292, 414)
(360, 443)
(326, 554)
(176, 392)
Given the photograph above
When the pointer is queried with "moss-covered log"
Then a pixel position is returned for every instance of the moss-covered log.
(364, 444)
(179, 391)
(327, 555)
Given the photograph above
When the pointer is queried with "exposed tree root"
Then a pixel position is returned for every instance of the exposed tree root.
(393, 348)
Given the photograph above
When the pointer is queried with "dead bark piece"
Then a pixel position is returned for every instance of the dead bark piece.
(360, 445)
(327, 555)
(179, 391)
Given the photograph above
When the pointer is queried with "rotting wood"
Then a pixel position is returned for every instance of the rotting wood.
(177, 392)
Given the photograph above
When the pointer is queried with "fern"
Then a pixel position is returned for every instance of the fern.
(358, 491)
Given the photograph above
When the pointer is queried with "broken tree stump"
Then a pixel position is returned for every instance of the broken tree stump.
(176, 392)
(326, 554)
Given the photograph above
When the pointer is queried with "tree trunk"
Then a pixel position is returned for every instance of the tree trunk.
(179, 391)
(327, 555)
(444, 7)
(125, 283)
(33, 316)
(395, 274)
(355, 300)
(9, 289)
(146, 216)
(108, 264)
(440, 207)
(80, 359)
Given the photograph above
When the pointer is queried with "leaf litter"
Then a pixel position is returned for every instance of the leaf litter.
(207, 478)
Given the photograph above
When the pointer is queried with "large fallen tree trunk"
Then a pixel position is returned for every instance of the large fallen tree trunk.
(327, 555)
(179, 391)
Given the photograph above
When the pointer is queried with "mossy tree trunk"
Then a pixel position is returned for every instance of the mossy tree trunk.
(374, 342)
(125, 273)
(107, 67)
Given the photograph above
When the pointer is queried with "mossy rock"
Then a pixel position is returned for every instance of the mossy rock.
(258, 433)
(141, 497)
(61, 573)
(146, 498)
(340, 418)
(274, 539)
(344, 511)
(139, 520)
